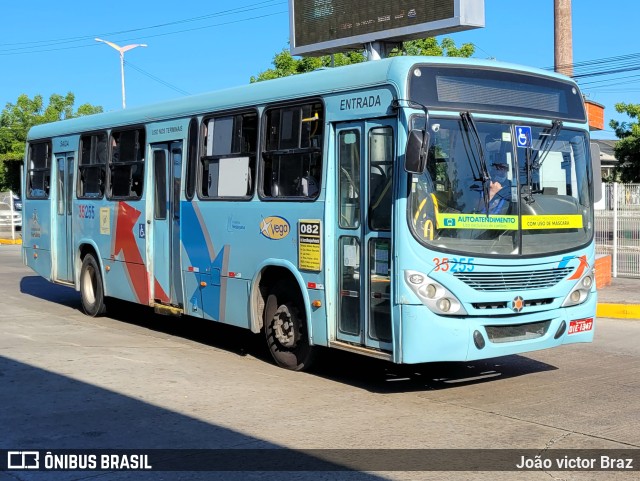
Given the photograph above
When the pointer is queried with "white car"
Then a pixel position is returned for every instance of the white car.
(17, 201)
(6, 214)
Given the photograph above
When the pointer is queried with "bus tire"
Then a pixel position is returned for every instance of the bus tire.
(286, 328)
(91, 288)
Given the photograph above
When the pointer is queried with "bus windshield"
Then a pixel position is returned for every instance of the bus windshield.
(535, 201)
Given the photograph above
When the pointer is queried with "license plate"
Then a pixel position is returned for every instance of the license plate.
(580, 325)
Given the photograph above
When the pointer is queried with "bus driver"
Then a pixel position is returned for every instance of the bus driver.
(499, 190)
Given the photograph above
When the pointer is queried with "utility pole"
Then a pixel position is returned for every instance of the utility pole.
(563, 45)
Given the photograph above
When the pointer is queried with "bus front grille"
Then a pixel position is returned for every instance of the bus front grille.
(517, 332)
(505, 304)
(507, 281)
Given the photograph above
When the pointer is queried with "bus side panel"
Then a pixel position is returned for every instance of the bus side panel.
(128, 249)
(113, 230)
(117, 281)
(197, 257)
(229, 243)
(235, 311)
(36, 236)
(39, 260)
(319, 325)
(193, 283)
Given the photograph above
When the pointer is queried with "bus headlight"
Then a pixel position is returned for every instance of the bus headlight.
(580, 291)
(431, 291)
(444, 304)
(433, 294)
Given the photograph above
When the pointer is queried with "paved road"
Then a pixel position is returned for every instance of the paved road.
(137, 380)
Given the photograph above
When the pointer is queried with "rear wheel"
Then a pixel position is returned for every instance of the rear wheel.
(286, 328)
(91, 289)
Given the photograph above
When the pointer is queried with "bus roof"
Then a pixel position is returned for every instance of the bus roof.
(391, 71)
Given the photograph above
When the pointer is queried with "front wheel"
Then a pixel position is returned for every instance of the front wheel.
(91, 289)
(286, 328)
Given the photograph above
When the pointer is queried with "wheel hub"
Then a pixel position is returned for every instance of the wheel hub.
(284, 327)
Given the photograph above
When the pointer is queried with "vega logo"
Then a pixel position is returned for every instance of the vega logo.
(274, 227)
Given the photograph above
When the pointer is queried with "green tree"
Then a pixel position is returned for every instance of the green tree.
(431, 48)
(627, 149)
(284, 64)
(15, 122)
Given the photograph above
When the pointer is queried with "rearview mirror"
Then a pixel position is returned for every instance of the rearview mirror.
(415, 159)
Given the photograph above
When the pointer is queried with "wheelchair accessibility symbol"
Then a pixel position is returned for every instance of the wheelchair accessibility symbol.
(523, 136)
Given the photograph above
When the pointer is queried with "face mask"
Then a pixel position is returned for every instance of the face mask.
(499, 178)
(498, 175)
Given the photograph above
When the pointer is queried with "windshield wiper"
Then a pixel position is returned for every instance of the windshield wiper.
(548, 143)
(535, 161)
(527, 190)
(482, 171)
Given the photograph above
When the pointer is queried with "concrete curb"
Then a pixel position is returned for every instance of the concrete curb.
(619, 311)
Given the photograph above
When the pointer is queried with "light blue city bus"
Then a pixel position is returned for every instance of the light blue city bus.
(413, 209)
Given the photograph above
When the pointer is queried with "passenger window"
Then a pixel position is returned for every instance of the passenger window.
(349, 151)
(192, 162)
(126, 166)
(229, 148)
(292, 160)
(160, 172)
(39, 176)
(92, 166)
(381, 152)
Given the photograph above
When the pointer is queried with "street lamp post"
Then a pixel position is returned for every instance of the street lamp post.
(122, 50)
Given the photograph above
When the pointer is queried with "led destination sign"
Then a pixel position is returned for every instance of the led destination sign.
(323, 26)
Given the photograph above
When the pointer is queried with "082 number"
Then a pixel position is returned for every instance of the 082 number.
(310, 228)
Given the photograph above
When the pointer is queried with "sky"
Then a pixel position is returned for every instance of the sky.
(193, 46)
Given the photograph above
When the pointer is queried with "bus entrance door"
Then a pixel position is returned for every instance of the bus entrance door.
(63, 254)
(365, 152)
(165, 235)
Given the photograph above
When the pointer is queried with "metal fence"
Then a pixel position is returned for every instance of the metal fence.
(618, 228)
(10, 216)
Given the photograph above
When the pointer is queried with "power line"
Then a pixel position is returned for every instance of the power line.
(41, 46)
(157, 79)
(205, 27)
(611, 80)
(67, 43)
(604, 67)
(613, 91)
(605, 60)
(246, 8)
(489, 56)
(597, 73)
(146, 37)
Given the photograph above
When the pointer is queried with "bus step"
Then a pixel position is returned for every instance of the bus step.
(358, 349)
(166, 310)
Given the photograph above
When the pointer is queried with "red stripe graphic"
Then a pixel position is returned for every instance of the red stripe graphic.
(580, 269)
(126, 243)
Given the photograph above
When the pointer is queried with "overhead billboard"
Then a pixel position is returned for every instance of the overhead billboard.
(319, 27)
